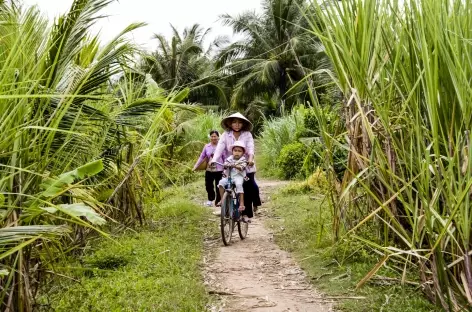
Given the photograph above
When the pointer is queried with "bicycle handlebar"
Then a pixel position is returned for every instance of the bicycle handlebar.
(224, 166)
(215, 162)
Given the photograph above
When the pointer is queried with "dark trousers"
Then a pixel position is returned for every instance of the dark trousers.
(251, 195)
(211, 184)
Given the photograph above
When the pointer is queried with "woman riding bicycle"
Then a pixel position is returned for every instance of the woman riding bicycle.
(237, 128)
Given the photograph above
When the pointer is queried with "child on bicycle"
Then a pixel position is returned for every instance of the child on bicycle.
(235, 167)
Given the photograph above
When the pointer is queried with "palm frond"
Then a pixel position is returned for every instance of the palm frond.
(68, 34)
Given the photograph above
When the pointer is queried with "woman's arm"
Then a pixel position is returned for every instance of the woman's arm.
(200, 160)
(250, 149)
(220, 148)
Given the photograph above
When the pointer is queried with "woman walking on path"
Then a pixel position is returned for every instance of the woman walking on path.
(237, 128)
(213, 174)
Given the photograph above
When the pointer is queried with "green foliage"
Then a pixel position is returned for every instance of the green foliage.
(107, 261)
(311, 121)
(317, 155)
(340, 156)
(273, 57)
(278, 132)
(184, 144)
(77, 210)
(408, 114)
(302, 125)
(155, 269)
(76, 120)
(181, 62)
(194, 132)
(318, 180)
(52, 187)
(297, 189)
(313, 157)
(291, 158)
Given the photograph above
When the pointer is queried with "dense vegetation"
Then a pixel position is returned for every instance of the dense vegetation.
(83, 138)
(373, 95)
(407, 109)
(157, 268)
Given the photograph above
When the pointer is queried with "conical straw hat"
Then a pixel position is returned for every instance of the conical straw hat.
(226, 122)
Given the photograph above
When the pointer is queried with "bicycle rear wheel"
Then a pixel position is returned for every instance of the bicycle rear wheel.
(227, 223)
(242, 229)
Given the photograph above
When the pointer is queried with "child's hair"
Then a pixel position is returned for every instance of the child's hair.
(214, 132)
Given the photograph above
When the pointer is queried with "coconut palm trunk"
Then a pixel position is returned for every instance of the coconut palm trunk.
(282, 90)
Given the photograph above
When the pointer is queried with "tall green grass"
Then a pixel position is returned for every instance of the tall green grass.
(155, 269)
(404, 69)
(79, 131)
(278, 132)
(195, 131)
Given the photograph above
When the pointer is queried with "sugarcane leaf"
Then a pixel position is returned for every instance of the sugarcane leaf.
(52, 187)
(78, 210)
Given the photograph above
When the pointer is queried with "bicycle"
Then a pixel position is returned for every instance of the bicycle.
(230, 214)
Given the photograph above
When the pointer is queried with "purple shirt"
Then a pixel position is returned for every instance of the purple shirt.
(228, 139)
(208, 151)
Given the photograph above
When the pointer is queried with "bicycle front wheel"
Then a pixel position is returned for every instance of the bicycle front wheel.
(227, 223)
(242, 229)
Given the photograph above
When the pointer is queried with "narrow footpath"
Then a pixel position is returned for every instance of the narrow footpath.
(255, 274)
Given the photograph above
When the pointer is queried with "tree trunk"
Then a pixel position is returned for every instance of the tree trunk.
(282, 90)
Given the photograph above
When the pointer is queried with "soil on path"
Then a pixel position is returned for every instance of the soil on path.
(255, 274)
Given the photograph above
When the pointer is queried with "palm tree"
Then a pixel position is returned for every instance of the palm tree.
(172, 63)
(183, 62)
(275, 53)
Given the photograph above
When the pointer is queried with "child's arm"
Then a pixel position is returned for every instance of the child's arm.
(241, 164)
(228, 162)
(227, 166)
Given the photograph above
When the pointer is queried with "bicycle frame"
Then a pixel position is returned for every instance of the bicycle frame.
(230, 214)
(230, 189)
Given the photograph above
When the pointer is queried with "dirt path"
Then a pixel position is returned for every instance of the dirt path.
(256, 275)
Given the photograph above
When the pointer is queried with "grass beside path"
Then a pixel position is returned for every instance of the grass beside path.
(155, 269)
(301, 225)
